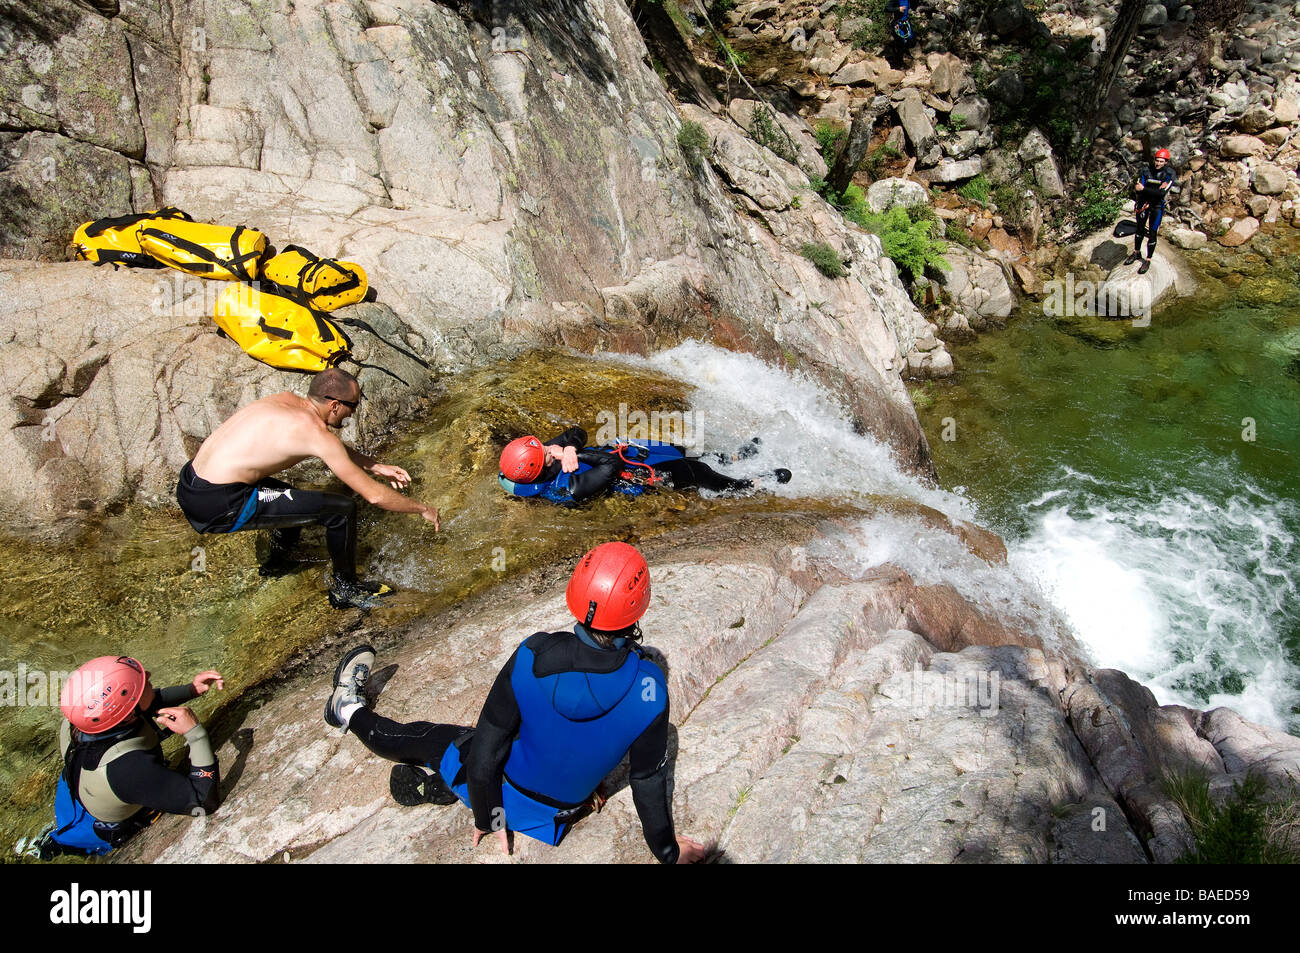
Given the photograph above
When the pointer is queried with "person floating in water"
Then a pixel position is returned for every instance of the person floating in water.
(565, 470)
(562, 714)
(227, 487)
(1150, 192)
(115, 781)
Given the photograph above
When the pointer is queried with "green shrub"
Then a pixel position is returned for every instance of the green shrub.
(877, 157)
(693, 140)
(1013, 202)
(976, 190)
(1097, 204)
(906, 242)
(1243, 829)
(735, 57)
(960, 235)
(766, 131)
(720, 8)
(828, 141)
(825, 258)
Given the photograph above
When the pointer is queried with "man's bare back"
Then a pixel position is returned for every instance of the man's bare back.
(265, 437)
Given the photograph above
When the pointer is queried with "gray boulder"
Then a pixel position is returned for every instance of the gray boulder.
(886, 193)
(974, 111)
(976, 284)
(1007, 88)
(1269, 179)
(915, 122)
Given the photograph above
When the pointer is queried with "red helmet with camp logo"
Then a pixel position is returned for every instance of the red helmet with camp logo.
(610, 588)
(523, 459)
(103, 693)
(1162, 154)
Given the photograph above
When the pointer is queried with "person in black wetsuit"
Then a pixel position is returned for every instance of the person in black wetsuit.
(561, 715)
(115, 781)
(565, 470)
(228, 486)
(1150, 192)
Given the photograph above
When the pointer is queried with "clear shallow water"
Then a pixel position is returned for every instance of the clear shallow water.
(1115, 462)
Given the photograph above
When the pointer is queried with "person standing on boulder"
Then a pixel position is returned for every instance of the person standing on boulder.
(227, 487)
(1150, 192)
(561, 715)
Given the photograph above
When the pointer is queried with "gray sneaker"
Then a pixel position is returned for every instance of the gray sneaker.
(349, 684)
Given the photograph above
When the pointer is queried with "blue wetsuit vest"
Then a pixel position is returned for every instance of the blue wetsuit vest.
(558, 488)
(575, 727)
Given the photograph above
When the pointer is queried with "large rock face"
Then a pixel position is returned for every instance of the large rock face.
(506, 182)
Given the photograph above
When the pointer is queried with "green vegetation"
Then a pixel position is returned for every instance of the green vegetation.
(1096, 205)
(735, 57)
(977, 189)
(1243, 829)
(720, 8)
(767, 131)
(959, 235)
(877, 158)
(904, 232)
(907, 241)
(829, 138)
(1014, 202)
(825, 258)
(693, 140)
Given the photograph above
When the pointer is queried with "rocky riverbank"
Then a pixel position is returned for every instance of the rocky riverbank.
(820, 715)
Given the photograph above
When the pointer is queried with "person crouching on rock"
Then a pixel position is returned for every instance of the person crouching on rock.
(561, 715)
(115, 782)
(1150, 192)
(227, 487)
(564, 470)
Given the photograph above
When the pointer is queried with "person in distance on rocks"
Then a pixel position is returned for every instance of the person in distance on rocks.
(561, 715)
(115, 781)
(1150, 192)
(228, 487)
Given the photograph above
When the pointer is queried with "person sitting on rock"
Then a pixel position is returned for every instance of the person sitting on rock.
(1150, 192)
(561, 715)
(227, 486)
(115, 781)
(565, 470)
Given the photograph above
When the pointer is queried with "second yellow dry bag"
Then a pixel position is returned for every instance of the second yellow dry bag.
(279, 331)
(327, 283)
(209, 251)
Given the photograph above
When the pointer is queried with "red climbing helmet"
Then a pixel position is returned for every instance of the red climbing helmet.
(610, 588)
(103, 693)
(523, 459)
(1162, 154)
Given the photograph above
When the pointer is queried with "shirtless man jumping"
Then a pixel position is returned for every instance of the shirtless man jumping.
(227, 487)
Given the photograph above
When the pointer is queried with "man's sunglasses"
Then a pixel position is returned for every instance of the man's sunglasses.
(352, 405)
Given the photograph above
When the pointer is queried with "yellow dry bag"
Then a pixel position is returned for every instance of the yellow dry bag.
(113, 241)
(209, 251)
(326, 283)
(279, 331)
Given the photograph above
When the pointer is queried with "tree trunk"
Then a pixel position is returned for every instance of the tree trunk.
(1121, 37)
(661, 36)
(855, 149)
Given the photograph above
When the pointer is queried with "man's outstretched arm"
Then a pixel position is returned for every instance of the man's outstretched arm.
(338, 458)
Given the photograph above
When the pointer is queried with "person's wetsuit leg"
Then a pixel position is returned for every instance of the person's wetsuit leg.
(418, 748)
(1154, 215)
(420, 742)
(286, 509)
(688, 473)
